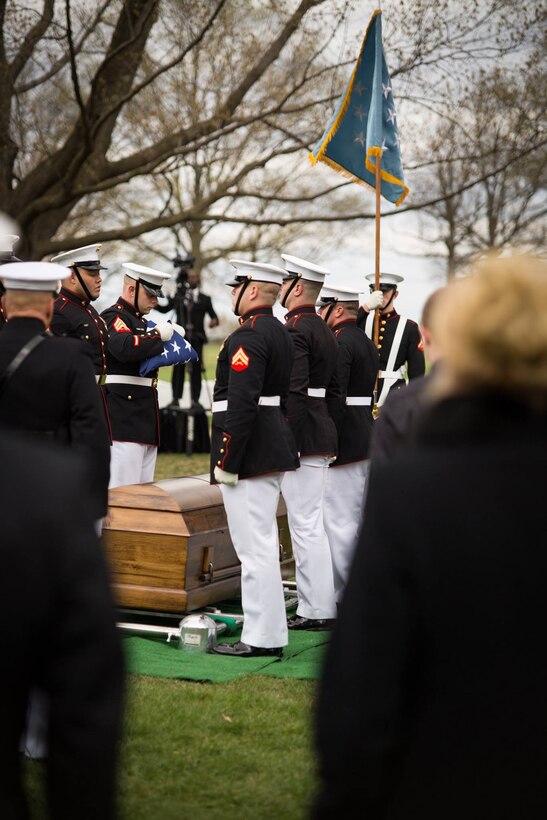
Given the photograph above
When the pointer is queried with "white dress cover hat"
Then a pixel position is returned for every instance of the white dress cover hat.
(86, 257)
(255, 271)
(150, 278)
(39, 276)
(295, 266)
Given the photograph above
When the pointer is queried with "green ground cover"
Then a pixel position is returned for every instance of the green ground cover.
(210, 353)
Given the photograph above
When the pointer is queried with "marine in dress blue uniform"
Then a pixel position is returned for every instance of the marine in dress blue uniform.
(252, 447)
(356, 370)
(399, 341)
(313, 382)
(74, 315)
(132, 400)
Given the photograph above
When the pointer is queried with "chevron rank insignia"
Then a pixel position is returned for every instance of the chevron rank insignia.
(240, 360)
(120, 326)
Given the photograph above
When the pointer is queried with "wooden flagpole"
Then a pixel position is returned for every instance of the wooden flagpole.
(375, 408)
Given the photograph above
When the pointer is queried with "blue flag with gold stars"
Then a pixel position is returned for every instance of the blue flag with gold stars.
(364, 125)
(176, 351)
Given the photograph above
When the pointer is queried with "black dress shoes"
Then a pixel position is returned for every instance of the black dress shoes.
(244, 650)
(310, 624)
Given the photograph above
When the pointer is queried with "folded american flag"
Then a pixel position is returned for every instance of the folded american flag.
(176, 351)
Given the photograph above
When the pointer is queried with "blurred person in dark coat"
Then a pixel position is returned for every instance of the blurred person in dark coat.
(58, 633)
(47, 384)
(432, 701)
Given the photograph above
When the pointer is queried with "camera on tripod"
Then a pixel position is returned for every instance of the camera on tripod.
(183, 264)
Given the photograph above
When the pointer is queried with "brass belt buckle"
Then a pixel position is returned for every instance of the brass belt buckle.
(155, 382)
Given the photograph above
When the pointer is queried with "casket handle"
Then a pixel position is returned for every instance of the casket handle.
(210, 574)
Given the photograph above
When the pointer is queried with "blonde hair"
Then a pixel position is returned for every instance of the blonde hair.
(491, 327)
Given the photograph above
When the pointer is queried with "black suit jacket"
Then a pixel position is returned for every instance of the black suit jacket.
(393, 427)
(190, 314)
(54, 393)
(58, 633)
(432, 702)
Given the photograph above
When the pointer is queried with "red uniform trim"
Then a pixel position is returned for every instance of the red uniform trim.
(226, 445)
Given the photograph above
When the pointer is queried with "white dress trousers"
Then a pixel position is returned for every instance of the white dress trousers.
(251, 510)
(344, 500)
(132, 463)
(303, 491)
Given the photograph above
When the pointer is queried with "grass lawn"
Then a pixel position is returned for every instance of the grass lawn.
(210, 353)
(239, 750)
(199, 751)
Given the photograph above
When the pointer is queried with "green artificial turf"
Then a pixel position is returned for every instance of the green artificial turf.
(302, 659)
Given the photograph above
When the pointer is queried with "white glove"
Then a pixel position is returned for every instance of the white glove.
(374, 300)
(223, 477)
(180, 330)
(166, 330)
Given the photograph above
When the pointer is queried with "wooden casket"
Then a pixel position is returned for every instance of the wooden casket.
(169, 547)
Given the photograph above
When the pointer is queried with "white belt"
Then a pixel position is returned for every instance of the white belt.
(265, 401)
(317, 392)
(100, 379)
(142, 381)
(392, 374)
(361, 400)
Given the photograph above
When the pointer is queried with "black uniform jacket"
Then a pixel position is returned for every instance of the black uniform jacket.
(255, 360)
(58, 632)
(132, 409)
(314, 367)
(78, 319)
(356, 370)
(190, 314)
(54, 394)
(411, 349)
(432, 702)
